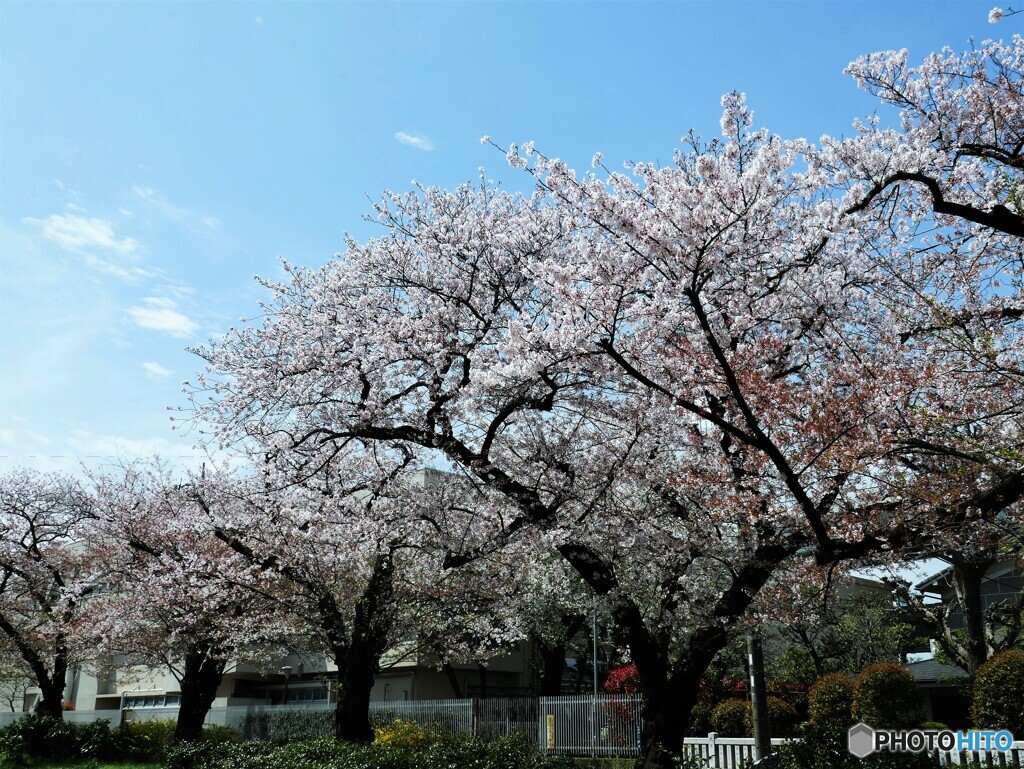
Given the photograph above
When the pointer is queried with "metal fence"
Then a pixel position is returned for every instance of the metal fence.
(498, 716)
(439, 716)
(606, 725)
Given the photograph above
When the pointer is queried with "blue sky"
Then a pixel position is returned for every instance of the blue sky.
(155, 155)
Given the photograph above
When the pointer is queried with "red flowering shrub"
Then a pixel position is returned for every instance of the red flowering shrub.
(623, 680)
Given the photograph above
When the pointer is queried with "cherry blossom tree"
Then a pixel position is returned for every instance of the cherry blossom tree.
(176, 597)
(350, 532)
(677, 378)
(48, 569)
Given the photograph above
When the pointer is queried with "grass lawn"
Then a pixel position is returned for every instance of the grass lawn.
(87, 764)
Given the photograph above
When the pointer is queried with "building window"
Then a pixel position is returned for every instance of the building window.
(152, 701)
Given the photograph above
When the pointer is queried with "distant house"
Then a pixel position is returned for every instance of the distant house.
(1002, 582)
(943, 691)
(943, 688)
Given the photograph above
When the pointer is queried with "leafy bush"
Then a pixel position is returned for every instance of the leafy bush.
(38, 736)
(824, 747)
(217, 734)
(700, 717)
(999, 693)
(830, 700)
(885, 696)
(511, 752)
(282, 727)
(407, 735)
(731, 718)
(782, 717)
(623, 680)
(145, 741)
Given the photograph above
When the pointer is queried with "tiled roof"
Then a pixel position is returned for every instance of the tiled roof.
(930, 670)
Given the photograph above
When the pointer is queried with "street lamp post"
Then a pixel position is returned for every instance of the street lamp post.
(287, 670)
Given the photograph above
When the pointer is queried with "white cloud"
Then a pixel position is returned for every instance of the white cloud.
(419, 141)
(128, 273)
(259, 20)
(79, 234)
(155, 369)
(194, 221)
(160, 314)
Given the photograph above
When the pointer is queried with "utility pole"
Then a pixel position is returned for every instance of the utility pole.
(758, 699)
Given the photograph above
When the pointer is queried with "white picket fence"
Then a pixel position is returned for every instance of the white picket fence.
(723, 752)
(1014, 757)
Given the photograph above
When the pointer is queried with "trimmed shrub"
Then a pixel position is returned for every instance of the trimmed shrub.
(145, 741)
(885, 696)
(999, 693)
(282, 727)
(731, 718)
(404, 735)
(509, 752)
(38, 736)
(782, 718)
(216, 734)
(830, 700)
(700, 717)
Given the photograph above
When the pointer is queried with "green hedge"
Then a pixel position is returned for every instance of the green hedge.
(732, 718)
(511, 752)
(885, 696)
(999, 693)
(282, 727)
(42, 738)
(830, 700)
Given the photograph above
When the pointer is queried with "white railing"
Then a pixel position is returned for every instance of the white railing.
(723, 752)
(606, 725)
(736, 752)
(1014, 757)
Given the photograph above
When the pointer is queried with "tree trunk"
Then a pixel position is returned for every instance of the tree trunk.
(667, 708)
(50, 683)
(453, 680)
(483, 679)
(204, 671)
(370, 628)
(355, 680)
(552, 666)
(967, 578)
(52, 702)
